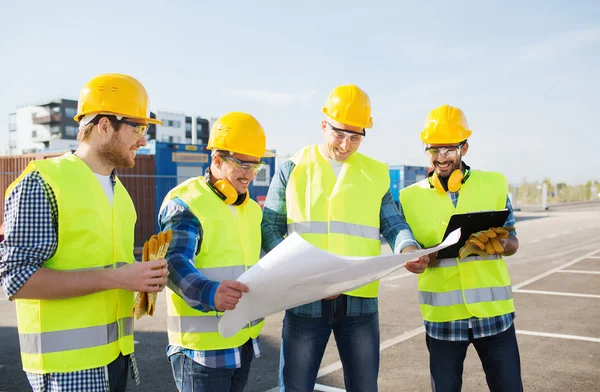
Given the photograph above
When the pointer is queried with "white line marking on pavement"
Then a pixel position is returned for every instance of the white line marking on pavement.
(558, 335)
(594, 257)
(557, 293)
(325, 388)
(553, 270)
(388, 343)
(395, 285)
(580, 272)
(534, 241)
(398, 276)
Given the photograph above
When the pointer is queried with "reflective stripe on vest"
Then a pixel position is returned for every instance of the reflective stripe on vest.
(223, 273)
(472, 296)
(74, 339)
(453, 263)
(199, 324)
(334, 227)
(339, 214)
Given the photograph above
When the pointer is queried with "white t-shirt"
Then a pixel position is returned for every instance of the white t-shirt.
(107, 186)
(335, 165)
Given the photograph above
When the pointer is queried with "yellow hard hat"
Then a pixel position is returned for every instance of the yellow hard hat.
(445, 125)
(239, 132)
(116, 94)
(349, 105)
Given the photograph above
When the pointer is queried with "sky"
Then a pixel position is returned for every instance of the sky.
(524, 73)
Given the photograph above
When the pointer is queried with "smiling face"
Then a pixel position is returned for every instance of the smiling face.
(446, 158)
(340, 140)
(121, 148)
(238, 169)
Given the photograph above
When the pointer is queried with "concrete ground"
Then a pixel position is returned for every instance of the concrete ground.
(556, 283)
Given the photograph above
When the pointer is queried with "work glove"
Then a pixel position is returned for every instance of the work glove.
(154, 249)
(485, 242)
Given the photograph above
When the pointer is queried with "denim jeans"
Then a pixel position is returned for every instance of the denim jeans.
(118, 370)
(190, 376)
(499, 356)
(304, 340)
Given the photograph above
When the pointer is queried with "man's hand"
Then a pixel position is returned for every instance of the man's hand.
(146, 277)
(228, 294)
(417, 266)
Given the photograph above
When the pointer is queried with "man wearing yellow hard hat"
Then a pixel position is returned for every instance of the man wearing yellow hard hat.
(67, 257)
(216, 237)
(467, 299)
(340, 201)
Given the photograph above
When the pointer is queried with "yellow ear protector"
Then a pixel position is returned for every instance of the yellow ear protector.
(455, 181)
(226, 191)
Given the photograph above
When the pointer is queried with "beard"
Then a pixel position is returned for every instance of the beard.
(455, 166)
(115, 154)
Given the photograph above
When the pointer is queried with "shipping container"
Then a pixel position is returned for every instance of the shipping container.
(402, 176)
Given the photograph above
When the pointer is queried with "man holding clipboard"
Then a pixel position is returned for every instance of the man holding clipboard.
(466, 294)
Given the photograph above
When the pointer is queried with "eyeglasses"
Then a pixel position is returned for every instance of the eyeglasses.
(340, 134)
(140, 130)
(245, 166)
(447, 151)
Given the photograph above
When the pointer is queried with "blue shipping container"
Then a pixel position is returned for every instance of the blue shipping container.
(176, 163)
(402, 176)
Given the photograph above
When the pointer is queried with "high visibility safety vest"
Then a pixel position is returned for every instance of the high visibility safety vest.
(89, 331)
(339, 215)
(230, 245)
(458, 289)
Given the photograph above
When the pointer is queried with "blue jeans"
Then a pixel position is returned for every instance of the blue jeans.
(304, 340)
(190, 376)
(118, 370)
(499, 356)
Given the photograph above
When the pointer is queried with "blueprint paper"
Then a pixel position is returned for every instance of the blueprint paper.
(296, 273)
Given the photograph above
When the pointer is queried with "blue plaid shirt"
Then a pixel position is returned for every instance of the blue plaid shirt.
(458, 330)
(31, 238)
(193, 287)
(393, 227)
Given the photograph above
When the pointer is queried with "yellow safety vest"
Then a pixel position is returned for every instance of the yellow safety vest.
(458, 289)
(85, 332)
(339, 215)
(230, 245)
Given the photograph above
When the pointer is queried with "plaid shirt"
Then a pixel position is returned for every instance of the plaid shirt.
(458, 330)
(193, 287)
(393, 227)
(31, 238)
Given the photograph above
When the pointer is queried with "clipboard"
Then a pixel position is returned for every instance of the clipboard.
(470, 223)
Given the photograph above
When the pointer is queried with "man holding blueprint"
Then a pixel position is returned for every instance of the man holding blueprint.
(339, 201)
(466, 297)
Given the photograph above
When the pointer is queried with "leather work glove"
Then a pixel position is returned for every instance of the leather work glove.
(155, 248)
(485, 242)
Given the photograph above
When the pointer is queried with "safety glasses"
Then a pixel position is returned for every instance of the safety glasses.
(244, 166)
(447, 151)
(140, 130)
(340, 134)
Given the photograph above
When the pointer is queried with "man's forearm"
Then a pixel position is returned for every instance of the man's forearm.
(46, 283)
